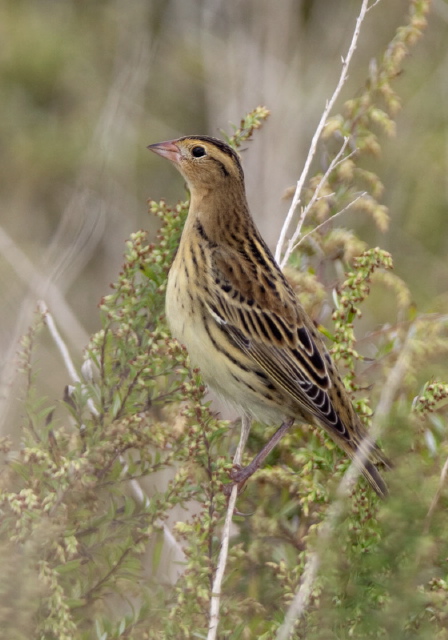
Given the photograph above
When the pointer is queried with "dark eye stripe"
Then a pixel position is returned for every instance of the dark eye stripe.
(221, 166)
(222, 146)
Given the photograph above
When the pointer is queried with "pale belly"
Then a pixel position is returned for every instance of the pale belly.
(186, 324)
(242, 388)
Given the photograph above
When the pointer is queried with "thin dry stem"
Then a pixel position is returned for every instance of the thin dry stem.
(63, 350)
(225, 537)
(336, 215)
(320, 127)
(41, 285)
(62, 347)
(436, 497)
(292, 242)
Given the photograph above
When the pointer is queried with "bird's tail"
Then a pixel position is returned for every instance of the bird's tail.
(372, 475)
(365, 456)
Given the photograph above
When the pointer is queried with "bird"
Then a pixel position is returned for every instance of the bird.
(230, 305)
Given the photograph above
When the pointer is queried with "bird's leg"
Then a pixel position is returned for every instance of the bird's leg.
(240, 475)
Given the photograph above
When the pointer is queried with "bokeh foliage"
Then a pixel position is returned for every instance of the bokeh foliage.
(82, 537)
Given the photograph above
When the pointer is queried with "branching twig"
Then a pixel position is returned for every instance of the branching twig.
(336, 215)
(328, 107)
(139, 495)
(305, 211)
(222, 561)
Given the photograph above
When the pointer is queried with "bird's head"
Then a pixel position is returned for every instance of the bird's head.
(205, 163)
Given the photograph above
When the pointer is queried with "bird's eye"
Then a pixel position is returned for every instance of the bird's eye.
(198, 152)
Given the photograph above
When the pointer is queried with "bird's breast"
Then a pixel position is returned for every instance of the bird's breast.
(179, 306)
(224, 367)
(184, 309)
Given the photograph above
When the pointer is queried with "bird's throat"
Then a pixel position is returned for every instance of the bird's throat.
(221, 214)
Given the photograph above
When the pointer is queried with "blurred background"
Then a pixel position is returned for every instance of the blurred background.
(85, 86)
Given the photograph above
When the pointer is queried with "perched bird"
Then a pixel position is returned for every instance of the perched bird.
(228, 302)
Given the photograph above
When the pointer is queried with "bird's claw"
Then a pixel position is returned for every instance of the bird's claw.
(237, 474)
(238, 477)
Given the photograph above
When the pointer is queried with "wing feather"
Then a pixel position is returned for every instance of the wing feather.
(282, 367)
(271, 314)
(269, 325)
(266, 321)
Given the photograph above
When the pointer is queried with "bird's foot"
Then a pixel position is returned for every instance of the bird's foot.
(239, 476)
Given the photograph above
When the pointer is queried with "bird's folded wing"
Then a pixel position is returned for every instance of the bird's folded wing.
(288, 373)
(267, 324)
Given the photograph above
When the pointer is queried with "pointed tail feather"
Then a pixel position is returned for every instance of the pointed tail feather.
(380, 458)
(365, 457)
(370, 472)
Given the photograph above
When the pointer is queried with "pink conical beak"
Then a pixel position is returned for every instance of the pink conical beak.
(167, 149)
